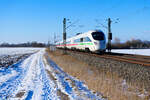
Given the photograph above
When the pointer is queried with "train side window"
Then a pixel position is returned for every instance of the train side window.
(77, 40)
(87, 39)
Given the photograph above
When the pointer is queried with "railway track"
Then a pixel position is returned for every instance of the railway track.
(129, 58)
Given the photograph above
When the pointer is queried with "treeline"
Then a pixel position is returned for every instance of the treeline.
(28, 44)
(131, 44)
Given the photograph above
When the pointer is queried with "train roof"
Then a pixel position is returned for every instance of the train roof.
(81, 35)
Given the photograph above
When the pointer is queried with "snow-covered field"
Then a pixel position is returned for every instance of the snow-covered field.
(38, 78)
(145, 52)
(9, 56)
(13, 51)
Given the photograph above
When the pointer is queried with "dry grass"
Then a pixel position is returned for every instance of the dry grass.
(20, 94)
(99, 80)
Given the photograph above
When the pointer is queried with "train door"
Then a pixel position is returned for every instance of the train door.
(87, 43)
(82, 46)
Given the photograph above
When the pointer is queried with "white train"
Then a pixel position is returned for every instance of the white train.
(94, 41)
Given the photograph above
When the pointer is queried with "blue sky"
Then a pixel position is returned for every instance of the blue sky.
(38, 20)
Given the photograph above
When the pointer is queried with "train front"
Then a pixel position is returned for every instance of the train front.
(99, 41)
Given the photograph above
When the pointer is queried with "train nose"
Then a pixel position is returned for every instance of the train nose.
(96, 43)
(100, 45)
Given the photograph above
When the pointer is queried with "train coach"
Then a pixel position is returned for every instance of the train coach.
(94, 41)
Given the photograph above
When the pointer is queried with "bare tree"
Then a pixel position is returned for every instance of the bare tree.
(117, 40)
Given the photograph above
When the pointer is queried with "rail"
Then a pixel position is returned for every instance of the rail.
(129, 58)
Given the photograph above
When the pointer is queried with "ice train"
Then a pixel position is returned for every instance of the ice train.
(94, 41)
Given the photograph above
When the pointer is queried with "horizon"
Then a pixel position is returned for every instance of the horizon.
(38, 20)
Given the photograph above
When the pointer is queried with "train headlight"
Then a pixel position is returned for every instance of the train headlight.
(95, 43)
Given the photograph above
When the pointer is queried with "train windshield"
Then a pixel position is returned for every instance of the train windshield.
(98, 35)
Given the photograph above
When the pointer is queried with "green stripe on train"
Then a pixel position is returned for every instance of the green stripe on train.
(86, 44)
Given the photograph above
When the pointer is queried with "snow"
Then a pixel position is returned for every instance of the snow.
(9, 56)
(145, 52)
(13, 51)
(30, 77)
(4, 77)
